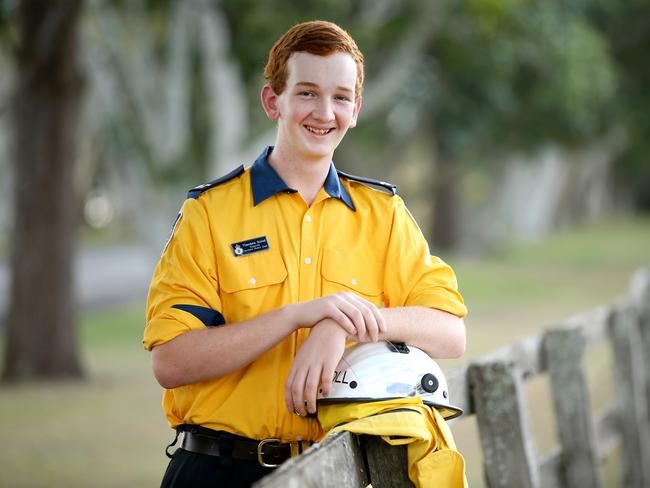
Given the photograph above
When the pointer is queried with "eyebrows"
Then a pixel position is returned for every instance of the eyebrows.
(310, 84)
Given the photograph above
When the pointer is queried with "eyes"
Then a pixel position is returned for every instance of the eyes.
(312, 94)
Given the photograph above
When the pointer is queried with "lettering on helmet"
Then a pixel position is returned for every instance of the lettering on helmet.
(339, 377)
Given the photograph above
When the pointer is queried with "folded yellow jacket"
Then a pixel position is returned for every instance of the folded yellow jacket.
(433, 460)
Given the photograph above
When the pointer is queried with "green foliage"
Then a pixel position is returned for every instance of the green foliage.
(624, 23)
(498, 75)
(515, 74)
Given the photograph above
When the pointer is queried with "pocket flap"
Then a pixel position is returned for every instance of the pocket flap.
(353, 272)
(252, 271)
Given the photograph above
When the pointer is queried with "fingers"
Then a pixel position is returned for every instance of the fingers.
(327, 377)
(343, 320)
(366, 317)
(294, 391)
(353, 313)
(301, 390)
(301, 394)
(313, 367)
(311, 389)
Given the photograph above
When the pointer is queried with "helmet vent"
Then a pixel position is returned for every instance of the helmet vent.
(398, 347)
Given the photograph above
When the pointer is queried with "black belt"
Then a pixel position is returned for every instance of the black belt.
(268, 452)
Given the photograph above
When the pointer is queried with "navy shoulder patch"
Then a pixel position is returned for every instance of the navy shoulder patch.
(197, 190)
(388, 187)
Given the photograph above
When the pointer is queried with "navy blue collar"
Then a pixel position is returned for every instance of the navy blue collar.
(266, 182)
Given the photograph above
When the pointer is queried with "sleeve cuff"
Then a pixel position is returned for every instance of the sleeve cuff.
(176, 321)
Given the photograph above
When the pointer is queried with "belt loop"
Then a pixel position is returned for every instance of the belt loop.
(179, 429)
(296, 448)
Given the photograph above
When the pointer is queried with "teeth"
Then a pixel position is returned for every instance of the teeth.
(317, 131)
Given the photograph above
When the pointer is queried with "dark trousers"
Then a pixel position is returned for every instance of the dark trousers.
(189, 469)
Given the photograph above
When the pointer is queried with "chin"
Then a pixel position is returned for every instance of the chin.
(321, 150)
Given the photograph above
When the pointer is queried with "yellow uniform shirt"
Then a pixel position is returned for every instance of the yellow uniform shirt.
(247, 244)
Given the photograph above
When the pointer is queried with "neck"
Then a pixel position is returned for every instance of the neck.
(305, 175)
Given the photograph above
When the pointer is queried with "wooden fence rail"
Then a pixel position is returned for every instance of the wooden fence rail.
(492, 388)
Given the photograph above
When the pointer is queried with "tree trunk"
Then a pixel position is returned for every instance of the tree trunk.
(41, 335)
(447, 200)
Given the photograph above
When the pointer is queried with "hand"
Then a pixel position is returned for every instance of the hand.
(356, 315)
(314, 366)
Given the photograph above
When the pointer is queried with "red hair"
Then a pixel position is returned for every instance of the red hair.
(317, 37)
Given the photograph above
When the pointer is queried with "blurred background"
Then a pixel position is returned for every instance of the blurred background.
(517, 131)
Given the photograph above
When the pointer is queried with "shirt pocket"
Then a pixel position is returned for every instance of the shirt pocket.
(251, 284)
(343, 271)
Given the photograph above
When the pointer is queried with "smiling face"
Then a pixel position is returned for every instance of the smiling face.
(316, 107)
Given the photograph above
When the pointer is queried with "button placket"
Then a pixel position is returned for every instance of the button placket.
(308, 254)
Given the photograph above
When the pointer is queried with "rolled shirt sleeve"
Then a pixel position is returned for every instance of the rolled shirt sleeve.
(184, 291)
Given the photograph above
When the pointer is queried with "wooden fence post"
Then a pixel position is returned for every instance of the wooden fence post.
(504, 426)
(640, 293)
(630, 373)
(564, 349)
(387, 465)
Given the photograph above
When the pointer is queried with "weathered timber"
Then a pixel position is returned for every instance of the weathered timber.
(526, 353)
(630, 370)
(504, 426)
(564, 349)
(459, 389)
(550, 469)
(386, 464)
(336, 462)
(592, 324)
(606, 427)
(640, 296)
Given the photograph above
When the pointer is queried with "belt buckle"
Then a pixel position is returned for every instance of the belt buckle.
(260, 452)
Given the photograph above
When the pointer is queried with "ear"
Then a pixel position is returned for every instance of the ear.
(270, 102)
(355, 113)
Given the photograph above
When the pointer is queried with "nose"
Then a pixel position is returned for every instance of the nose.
(324, 110)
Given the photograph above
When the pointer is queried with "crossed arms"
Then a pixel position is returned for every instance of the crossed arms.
(204, 354)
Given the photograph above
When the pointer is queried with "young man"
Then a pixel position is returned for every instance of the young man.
(270, 269)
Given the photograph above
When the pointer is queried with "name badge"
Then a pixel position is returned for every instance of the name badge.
(256, 244)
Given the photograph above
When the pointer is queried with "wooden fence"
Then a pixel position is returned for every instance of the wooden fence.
(492, 388)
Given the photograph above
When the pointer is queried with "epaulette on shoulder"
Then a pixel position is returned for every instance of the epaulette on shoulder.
(388, 187)
(197, 190)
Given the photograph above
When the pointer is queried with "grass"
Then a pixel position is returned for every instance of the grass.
(109, 430)
(105, 431)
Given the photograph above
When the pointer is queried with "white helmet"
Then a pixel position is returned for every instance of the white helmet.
(384, 370)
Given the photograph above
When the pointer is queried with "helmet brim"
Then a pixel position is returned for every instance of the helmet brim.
(448, 412)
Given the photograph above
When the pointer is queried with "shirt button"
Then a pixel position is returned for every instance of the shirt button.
(308, 218)
(252, 281)
(307, 260)
(353, 281)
